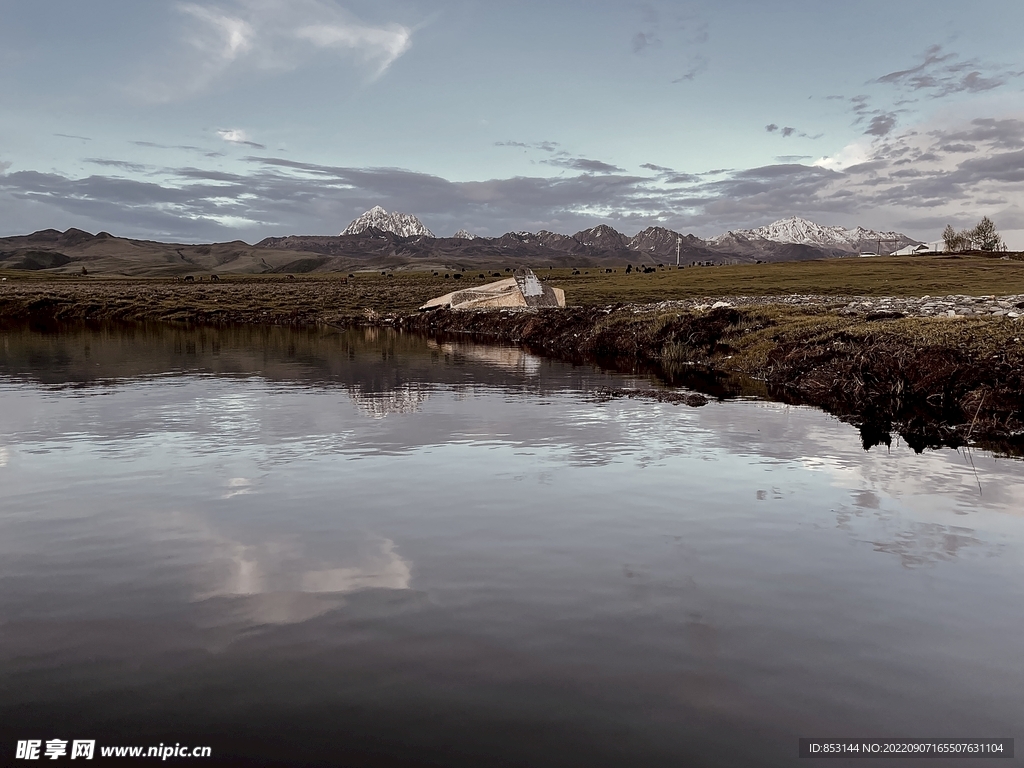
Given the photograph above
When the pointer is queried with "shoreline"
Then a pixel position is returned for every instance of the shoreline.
(888, 365)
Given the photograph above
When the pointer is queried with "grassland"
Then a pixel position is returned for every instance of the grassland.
(308, 299)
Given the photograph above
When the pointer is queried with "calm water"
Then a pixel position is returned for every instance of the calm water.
(372, 549)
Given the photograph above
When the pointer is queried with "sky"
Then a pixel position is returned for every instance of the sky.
(244, 119)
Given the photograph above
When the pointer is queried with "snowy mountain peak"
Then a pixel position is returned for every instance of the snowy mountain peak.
(464, 234)
(402, 224)
(801, 231)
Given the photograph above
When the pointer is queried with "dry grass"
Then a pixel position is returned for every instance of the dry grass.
(327, 297)
(880, 276)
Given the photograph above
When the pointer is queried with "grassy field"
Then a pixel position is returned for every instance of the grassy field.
(313, 297)
(880, 276)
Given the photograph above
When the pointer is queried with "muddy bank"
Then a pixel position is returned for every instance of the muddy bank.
(932, 381)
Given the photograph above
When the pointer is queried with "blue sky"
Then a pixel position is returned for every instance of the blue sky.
(240, 119)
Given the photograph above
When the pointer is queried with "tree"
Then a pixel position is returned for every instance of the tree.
(951, 238)
(985, 236)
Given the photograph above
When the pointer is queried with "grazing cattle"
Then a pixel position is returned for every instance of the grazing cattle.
(344, 281)
(481, 276)
(456, 276)
(607, 271)
(290, 277)
(190, 278)
(214, 279)
(575, 271)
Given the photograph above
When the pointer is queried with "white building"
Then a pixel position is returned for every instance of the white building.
(937, 246)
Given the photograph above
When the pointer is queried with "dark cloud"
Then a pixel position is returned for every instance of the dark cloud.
(124, 165)
(999, 134)
(941, 73)
(653, 167)
(698, 66)
(680, 178)
(584, 164)
(72, 136)
(881, 125)
(787, 131)
(1004, 167)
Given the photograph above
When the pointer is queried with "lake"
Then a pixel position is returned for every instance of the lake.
(368, 548)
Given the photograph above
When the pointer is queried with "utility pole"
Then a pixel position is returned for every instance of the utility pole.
(679, 242)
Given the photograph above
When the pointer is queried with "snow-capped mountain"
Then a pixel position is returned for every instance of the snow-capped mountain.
(402, 224)
(464, 234)
(804, 232)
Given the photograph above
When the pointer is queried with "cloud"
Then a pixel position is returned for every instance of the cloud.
(186, 147)
(881, 125)
(563, 159)
(998, 134)
(942, 73)
(642, 40)
(787, 131)
(236, 136)
(698, 66)
(585, 164)
(379, 46)
(904, 180)
(653, 167)
(544, 146)
(123, 165)
(4, 165)
(72, 136)
(241, 36)
(669, 33)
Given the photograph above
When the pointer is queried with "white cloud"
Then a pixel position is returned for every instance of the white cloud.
(233, 135)
(4, 165)
(238, 136)
(377, 45)
(236, 36)
(851, 154)
(223, 36)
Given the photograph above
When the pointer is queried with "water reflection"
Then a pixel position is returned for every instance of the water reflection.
(371, 548)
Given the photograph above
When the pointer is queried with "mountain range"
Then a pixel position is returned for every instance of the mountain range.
(381, 240)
